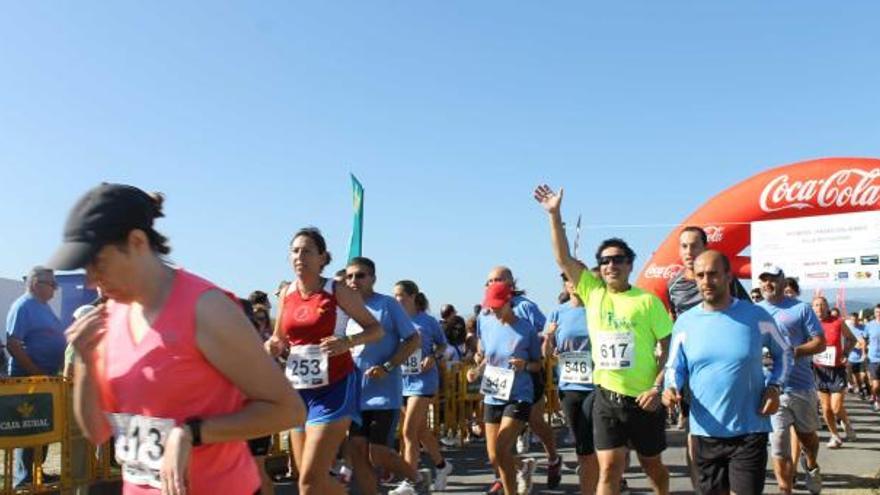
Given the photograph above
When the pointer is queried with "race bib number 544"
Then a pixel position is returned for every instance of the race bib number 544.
(615, 350)
(140, 445)
(497, 382)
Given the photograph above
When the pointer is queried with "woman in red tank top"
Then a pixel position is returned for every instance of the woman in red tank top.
(169, 365)
(830, 369)
(311, 323)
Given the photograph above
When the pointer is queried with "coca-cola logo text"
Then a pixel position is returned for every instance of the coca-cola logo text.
(664, 272)
(853, 187)
(714, 233)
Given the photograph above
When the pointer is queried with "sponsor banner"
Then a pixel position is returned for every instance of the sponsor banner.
(816, 250)
(31, 411)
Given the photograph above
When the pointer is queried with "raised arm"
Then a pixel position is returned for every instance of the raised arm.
(552, 202)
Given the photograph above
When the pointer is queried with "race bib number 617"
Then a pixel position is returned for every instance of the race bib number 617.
(615, 350)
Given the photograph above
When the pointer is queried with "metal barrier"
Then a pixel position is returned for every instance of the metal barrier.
(37, 411)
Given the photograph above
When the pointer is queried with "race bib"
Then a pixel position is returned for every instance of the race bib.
(140, 445)
(497, 382)
(615, 350)
(352, 328)
(576, 367)
(413, 364)
(307, 367)
(826, 357)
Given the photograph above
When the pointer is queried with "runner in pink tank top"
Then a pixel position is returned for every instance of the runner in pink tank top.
(169, 365)
(311, 323)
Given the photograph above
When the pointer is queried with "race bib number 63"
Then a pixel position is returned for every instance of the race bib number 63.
(140, 445)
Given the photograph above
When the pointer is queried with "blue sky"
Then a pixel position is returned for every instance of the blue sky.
(250, 115)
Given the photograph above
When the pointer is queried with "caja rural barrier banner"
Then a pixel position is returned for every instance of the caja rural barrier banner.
(32, 411)
(818, 187)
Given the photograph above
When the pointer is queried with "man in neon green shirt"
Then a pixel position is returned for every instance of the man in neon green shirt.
(625, 325)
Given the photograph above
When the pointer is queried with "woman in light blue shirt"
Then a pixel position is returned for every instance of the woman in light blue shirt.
(420, 382)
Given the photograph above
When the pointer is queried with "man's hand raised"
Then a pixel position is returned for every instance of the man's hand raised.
(548, 199)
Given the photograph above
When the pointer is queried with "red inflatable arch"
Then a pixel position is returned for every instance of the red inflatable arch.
(817, 187)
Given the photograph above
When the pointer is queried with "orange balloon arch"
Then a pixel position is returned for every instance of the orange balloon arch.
(817, 187)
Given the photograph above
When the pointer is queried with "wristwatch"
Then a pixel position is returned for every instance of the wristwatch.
(195, 428)
(387, 366)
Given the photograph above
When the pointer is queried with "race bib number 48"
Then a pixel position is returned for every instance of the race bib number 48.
(615, 350)
(576, 367)
(307, 367)
(497, 382)
(413, 363)
(140, 445)
(826, 357)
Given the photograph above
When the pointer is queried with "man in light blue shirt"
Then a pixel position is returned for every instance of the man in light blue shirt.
(378, 364)
(36, 344)
(717, 353)
(872, 336)
(798, 403)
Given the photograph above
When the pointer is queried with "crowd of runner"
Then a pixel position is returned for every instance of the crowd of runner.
(191, 387)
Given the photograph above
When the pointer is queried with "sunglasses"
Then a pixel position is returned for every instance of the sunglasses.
(356, 276)
(617, 259)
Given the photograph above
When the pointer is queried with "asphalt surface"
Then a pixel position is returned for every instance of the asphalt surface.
(852, 469)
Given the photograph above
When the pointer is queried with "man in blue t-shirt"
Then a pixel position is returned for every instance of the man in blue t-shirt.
(378, 364)
(872, 336)
(798, 403)
(716, 354)
(35, 340)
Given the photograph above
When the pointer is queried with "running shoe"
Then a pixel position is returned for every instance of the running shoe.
(876, 406)
(522, 443)
(850, 433)
(440, 476)
(524, 477)
(405, 487)
(814, 481)
(554, 473)
(834, 442)
(496, 488)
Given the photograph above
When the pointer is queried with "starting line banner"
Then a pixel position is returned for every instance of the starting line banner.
(825, 252)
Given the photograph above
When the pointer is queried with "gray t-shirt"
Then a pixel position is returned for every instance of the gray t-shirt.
(684, 293)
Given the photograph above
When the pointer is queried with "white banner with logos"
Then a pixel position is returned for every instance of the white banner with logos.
(827, 251)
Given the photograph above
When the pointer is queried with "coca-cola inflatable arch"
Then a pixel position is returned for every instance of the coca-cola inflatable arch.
(818, 187)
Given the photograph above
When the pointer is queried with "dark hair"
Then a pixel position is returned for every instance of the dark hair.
(564, 297)
(792, 283)
(697, 230)
(315, 235)
(411, 289)
(259, 297)
(479, 307)
(755, 290)
(618, 243)
(248, 310)
(455, 330)
(158, 242)
(446, 311)
(363, 261)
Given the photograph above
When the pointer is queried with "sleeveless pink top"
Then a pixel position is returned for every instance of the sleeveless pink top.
(166, 376)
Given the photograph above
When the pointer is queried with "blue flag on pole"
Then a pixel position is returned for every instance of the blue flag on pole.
(356, 243)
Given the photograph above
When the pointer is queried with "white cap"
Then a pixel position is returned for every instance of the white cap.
(774, 270)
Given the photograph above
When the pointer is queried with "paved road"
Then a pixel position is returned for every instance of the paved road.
(851, 470)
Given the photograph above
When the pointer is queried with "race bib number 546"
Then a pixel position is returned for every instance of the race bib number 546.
(615, 350)
(140, 445)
